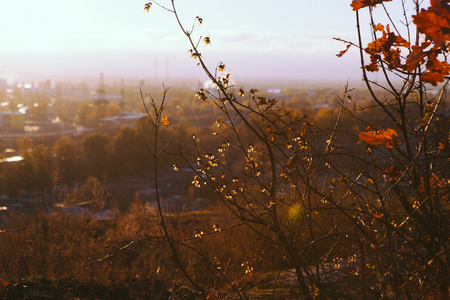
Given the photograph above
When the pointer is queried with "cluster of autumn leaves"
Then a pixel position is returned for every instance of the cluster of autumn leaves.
(388, 137)
(433, 23)
(426, 59)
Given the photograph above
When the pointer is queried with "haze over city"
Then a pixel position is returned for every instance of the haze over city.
(255, 39)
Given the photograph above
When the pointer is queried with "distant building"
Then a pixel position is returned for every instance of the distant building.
(274, 91)
(11, 121)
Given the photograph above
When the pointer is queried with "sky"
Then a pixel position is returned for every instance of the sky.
(256, 39)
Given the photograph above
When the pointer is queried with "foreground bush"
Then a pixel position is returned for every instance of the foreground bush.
(376, 226)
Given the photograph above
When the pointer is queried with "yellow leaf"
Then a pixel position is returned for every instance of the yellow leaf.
(165, 121)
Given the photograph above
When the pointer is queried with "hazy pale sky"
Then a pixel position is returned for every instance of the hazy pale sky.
(255, 39)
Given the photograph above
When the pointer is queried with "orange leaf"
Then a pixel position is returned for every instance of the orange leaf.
(343, 51)
(372, 67)
(388, 137)
(385, 48)
(378, 27)
(416, 57)
(435, 182)
(432, 77)
(358, 4)
(436, 71)
(434, 22)
(371, 138)
(378, 216)
(401, 41)
(394, 173)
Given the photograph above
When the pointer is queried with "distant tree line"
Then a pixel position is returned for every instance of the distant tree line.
(125, 151)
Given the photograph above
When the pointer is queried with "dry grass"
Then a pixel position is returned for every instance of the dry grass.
(59, 248)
